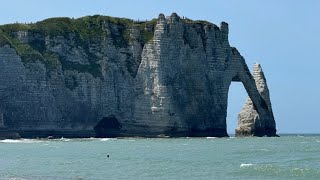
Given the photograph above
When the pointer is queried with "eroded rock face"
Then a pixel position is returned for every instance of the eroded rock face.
(169, 76)
(249, 120)
(1, 121)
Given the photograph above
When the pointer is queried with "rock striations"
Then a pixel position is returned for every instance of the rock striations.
(249, 120)
(108, 77)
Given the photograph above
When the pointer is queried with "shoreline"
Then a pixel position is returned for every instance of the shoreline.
(81, 134)
(72, 134)
(143, 138)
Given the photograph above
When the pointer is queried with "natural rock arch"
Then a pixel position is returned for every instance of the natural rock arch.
(171, 75)
(252, 120)
(256, 117)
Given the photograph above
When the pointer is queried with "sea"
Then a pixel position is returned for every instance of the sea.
(285, 157)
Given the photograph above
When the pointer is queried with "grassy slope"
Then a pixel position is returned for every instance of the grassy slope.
(87, 30)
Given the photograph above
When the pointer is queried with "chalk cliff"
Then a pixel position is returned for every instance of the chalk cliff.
(249, 120)
(103, 76)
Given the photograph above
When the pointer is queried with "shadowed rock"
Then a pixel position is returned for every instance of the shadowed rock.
(1, 120)
(4, 132)
(108, 127)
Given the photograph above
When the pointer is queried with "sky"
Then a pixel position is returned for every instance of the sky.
(283, 36)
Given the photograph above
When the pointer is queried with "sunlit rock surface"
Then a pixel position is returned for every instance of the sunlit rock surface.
(249, 120)
(169, 76)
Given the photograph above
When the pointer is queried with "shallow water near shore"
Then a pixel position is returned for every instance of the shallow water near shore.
(287, 157)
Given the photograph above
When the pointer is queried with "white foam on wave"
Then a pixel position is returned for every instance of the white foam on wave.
(17, 178)
(105, 139)
(20, 141)
(65, 139)
(263, 149)
(245, 165)
(211, 137)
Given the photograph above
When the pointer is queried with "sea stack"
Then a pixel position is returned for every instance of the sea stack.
(249, 120)
(105, 76)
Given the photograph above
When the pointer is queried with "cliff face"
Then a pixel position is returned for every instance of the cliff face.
(167, 76)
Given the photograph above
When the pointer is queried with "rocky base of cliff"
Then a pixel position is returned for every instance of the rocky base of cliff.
(92, 133)
(257, 132)
(7, 134)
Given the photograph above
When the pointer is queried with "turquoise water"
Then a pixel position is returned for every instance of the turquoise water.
(287, 157)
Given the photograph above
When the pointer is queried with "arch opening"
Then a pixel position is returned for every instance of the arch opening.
(237, 96)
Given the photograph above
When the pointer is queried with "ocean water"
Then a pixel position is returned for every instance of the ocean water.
(287, 157)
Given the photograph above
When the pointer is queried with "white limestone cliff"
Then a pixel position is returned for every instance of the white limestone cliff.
(169, 77)
(248, 118)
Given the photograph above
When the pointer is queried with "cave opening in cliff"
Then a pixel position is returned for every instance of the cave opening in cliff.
(236, 99)
(108, 127)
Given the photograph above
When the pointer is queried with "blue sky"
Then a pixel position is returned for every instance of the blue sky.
(281, 35)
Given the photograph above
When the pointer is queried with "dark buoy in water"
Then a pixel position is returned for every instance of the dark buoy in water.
(108, 156)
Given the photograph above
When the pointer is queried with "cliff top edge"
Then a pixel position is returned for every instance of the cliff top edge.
(68, 23)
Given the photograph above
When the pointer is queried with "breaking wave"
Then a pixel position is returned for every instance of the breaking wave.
(211, 137)
(245, 165)
(20, 141)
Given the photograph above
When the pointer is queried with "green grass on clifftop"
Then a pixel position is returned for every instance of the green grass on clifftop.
(4, 40)
(84, 32)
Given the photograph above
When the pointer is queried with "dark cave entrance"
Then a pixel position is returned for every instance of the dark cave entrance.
(108, 127)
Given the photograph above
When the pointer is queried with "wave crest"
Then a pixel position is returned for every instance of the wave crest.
(245, 165)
